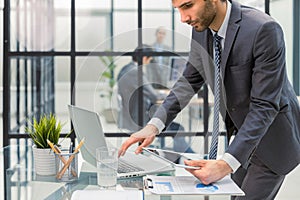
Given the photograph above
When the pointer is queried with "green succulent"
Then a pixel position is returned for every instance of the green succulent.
(48, 127)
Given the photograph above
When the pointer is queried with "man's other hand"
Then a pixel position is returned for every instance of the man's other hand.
(210, 170)
(145, 136)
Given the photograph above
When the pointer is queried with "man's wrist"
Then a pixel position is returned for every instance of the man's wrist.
(231, 161)
(152, 129)
(157, 123)
(226, 167)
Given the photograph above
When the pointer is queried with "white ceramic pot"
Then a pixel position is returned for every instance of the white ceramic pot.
(44, 161)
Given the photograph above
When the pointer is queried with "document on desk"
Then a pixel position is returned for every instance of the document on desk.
(170, 185)
(107, 195)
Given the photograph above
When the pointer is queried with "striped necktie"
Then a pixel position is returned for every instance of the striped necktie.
(214, 141)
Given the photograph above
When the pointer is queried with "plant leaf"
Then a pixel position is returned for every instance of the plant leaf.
(48, 127)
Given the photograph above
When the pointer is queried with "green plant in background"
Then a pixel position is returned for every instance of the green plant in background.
(108, 61)
(48, 127)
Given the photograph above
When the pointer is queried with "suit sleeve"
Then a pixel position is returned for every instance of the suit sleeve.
(188, 84)
(181, 93)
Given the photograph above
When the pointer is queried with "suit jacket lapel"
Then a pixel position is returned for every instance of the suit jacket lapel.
(231, 33)
(232, 30)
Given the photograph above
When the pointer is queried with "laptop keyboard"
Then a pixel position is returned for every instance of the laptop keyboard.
(125, 167)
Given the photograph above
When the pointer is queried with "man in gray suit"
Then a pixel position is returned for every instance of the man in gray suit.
(258, 103)
(128, 91)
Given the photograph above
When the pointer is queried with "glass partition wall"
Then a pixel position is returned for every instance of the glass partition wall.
(60, 52)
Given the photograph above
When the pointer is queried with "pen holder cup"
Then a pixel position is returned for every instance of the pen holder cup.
(66, 166)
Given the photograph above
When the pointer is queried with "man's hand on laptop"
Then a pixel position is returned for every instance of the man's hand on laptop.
(145, 136)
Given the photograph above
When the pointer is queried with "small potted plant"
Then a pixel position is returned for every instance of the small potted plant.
(48, 127)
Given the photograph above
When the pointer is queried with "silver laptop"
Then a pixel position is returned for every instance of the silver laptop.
(87, 125)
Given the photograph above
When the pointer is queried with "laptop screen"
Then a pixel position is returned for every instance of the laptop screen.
(87, 125)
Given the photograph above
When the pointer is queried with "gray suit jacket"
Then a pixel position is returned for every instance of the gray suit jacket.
(258, 101)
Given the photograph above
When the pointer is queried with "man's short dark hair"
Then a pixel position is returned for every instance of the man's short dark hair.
(143, 48)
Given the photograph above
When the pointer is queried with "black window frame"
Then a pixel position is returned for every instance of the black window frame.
(12, 133)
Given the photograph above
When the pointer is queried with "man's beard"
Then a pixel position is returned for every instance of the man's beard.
(207, 17)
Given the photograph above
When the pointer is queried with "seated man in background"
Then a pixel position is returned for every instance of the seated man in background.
(128, 91)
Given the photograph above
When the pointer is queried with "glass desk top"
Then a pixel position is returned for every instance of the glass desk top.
(19, 181)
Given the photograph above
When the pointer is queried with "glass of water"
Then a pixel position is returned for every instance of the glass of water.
(107, 166)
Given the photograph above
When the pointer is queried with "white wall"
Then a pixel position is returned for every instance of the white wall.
(282, 11)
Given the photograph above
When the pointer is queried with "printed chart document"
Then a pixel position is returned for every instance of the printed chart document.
(107, 195)
(170, 185)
